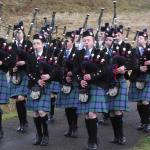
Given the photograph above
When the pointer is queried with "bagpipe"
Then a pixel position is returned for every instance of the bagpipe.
(133, 62)
(99, 28)
(141, 82)
(96, 69)
(55, 49)
(84, 27)
(93, 66)
(55, 44)
(67, 66)
(3, 45)
(22, 52)
(58, 46)
(51, 28)
(84, 94)
(61, 66)
(6, 55)
(145, 57)
(117, 62)
(36, 68)
(37, 90)
(121, 56)
(114, 20)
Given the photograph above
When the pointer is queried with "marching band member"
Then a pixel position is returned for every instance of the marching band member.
(19, 79)
(1, 131)
(117, 101)
(39, 89)
(102, 42)
(140, 84)
(68, 99)
(91, 74)
(53, 49)
(6, 61)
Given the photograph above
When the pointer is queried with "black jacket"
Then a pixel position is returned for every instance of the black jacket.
(96, 66)
(139, 61)
(35, 67)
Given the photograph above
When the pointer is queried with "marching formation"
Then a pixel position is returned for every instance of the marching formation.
(82, 72)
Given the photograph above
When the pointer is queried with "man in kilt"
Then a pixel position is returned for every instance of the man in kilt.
(39, 71)
(69, 100)
(91, 74)
(6, 61)
(117, 103)
(140, 75)
(1, 131)
(102, 39)
(53, 46)
(19, 89)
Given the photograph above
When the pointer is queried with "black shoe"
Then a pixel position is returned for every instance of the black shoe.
(92, 146)
(37, 140)
(74, 133)
(146, 128)
(115, 141)
(18, 129)
(24, 127)
(51, 119)
(122, 141)
(141, 127)
(23, 130)
(68, 134)
(103, 122)
(44, 141)
(1, 134)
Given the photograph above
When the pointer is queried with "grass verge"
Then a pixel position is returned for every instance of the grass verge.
(144, 144)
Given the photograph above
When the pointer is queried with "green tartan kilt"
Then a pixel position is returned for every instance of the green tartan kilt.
(119, 102)
(96, 103)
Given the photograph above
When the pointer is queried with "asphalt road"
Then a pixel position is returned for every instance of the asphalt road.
(16, 141)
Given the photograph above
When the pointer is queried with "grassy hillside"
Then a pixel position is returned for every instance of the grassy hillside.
(25, 6)
(71, 13)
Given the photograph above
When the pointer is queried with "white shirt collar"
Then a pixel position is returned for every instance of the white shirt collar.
(39, 53)
(108, 49)
(120, 42)
(69, 50)
(141, 50)
(19, 42)
(90, 50)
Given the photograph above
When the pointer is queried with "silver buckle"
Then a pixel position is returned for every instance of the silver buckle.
(66, 89)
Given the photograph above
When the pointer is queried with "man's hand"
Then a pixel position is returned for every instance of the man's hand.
(20, 63)
(83, 83)
(1, 62)
(87, 77)
(143, 68)
(69, 74)
(121, 70)
(45, 77)
(41, 83)
(146, 63)
(68, 79)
